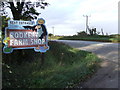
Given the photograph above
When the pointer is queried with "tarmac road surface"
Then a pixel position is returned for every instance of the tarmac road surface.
(107, 75)
(0, 65)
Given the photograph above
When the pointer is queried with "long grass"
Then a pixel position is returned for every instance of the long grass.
(64, 67)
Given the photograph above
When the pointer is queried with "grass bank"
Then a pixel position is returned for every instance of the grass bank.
(63, 67)
(100, 38)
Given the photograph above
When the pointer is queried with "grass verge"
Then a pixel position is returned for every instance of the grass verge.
(64, 67)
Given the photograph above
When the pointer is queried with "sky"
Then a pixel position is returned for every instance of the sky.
(66, 16)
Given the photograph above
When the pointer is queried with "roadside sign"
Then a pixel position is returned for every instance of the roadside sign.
(26, 35)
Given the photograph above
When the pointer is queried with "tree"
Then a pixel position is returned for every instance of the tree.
(82, 33)
(4, 23)
(92, 31)
(23, 10)
(50, 34)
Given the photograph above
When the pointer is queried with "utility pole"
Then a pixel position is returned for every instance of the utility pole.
(102, 31)
(53, 30)
(86, 22)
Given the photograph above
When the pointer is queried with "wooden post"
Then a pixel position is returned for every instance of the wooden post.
(42, 58)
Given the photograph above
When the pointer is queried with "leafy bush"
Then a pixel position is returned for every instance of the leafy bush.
(82, 33)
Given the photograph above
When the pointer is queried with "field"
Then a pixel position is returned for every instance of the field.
(100, 38)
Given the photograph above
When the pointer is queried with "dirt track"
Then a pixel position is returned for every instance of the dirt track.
(107, 75)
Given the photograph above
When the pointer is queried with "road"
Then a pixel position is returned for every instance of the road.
(0, 65)
(107, 75)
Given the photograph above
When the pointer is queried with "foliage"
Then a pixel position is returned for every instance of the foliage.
(82, 33)
(64, 67)
(54, 37)
(93, 31)
(23, 10)
(50, 34)
(100, 38)
(4, 22)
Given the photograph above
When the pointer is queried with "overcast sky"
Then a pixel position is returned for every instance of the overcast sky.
(66, 16)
